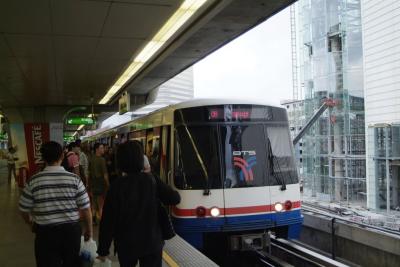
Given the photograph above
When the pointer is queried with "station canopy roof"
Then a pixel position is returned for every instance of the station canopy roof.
(70, 52)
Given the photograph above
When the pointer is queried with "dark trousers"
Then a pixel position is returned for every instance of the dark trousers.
(58, 246)
(11, 171)
(127, 259)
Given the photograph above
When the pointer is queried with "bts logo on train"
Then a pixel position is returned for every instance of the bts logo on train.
(244, 153)
(246, 173)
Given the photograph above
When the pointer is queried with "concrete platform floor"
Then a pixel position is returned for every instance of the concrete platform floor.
(16, 238)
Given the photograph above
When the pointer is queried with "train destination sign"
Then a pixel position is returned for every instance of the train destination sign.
(238, 113)
(80, 121)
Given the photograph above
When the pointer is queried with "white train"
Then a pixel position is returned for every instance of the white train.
(232, 163)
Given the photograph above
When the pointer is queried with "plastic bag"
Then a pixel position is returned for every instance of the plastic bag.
(88, 252)
(99, 263)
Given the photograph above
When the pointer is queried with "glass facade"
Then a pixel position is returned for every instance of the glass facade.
(331, 66)
(384, 160)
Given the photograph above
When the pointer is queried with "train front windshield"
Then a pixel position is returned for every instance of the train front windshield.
(232, 146)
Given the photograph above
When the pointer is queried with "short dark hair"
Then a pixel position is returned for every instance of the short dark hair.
(71, 146)
(78, 142)
(51, 152)
(130, 157)
(96, 146)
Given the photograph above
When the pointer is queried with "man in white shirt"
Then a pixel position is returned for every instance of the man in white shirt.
(52, 202)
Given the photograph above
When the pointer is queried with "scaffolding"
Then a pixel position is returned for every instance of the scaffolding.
(334, 164)
(294, 52)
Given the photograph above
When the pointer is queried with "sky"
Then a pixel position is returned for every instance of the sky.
(255, 65)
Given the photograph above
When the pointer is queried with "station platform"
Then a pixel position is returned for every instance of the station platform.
(17, 241)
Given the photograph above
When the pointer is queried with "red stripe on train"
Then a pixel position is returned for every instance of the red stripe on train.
(233, 211)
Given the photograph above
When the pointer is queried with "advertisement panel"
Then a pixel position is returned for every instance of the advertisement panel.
(18, 143)
(35, 135)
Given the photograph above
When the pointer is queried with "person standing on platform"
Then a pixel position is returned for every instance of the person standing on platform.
(11, 158)
(72, 158)
(110, 161)
(130, 215)
(83, 161)
(99, 181)
(51, 204)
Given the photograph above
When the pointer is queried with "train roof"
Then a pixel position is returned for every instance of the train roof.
(198, 102)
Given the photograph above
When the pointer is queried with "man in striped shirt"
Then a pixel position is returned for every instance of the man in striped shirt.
(51, 202)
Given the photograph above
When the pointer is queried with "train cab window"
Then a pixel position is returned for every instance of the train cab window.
(196, 158)
(243, 155)
(280, 156)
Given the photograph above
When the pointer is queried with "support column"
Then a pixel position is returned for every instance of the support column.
(387, 169)
(395, 185)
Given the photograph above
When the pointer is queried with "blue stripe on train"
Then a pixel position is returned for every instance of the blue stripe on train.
(192, 228)
(248, 222)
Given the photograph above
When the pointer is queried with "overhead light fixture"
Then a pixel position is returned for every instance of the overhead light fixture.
(174, 23)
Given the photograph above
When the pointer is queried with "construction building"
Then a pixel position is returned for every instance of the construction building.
(331, 67)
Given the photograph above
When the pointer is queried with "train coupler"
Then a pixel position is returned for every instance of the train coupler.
(250, 242)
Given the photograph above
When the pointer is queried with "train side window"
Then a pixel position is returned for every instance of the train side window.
(281, 156)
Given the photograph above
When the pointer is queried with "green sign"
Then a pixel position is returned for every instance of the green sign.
(3, 137)
(69, 139)
(80, 121)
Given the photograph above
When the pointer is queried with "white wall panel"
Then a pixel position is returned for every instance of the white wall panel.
(381, 51)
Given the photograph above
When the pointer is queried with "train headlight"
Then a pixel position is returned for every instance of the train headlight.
(215, 212)
(278, 207)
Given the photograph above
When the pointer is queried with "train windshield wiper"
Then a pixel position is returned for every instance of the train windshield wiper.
(206, 191)
(278, 176)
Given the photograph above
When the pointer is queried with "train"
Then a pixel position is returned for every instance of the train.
(231, 161)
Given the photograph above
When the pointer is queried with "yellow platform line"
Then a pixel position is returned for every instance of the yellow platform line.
(167, 258)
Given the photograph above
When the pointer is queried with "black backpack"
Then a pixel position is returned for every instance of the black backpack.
(65, 163)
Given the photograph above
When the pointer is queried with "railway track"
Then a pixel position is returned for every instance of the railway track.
(285, 253)
(316, 209)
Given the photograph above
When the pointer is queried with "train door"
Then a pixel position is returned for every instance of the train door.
(153, 149)
(148, 149)
(164, 154)
(243, 158)
(139, 136)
